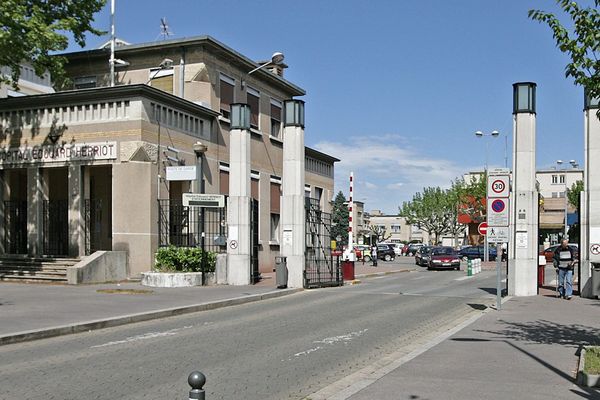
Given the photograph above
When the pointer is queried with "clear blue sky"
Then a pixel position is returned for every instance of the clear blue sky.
(396, 89)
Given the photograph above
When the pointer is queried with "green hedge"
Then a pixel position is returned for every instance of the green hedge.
(183, 259)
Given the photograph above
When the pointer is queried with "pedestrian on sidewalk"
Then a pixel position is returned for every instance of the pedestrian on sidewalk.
(564, 261)
(374, 254)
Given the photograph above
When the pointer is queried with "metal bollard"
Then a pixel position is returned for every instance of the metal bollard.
(469, 268)
(196, 380)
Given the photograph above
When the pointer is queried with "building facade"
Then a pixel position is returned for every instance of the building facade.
(91, 167)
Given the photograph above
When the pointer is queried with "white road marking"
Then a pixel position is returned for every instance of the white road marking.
(345, 339)
(418, 277)
(465, 277)
(145, 336)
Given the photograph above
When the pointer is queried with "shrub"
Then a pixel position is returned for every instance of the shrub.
(183, 259)
(592, 360)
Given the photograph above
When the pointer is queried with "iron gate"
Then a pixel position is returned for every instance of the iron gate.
(254, 270)
(321, 268)
(182, 226)
(93, 225)
(56, 227)
(15, 227)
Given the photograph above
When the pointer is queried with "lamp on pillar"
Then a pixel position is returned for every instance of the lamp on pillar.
(240, 116)
(199, 149)
(524, 97)
(294, 113)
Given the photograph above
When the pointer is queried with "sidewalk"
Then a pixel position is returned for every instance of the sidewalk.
(528, 350)
(35, 311)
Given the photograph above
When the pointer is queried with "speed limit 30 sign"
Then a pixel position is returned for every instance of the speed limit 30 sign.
(498, 186)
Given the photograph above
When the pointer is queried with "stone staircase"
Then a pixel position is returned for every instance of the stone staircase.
(41, 270)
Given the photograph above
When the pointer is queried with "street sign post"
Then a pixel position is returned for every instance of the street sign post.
(497, 212)
(482, 228)
(498, 234)
(498, 192)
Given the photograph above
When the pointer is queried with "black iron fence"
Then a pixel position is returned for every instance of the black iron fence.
(56, 227)
(15, 227)
(183, 226)
(321, 268)
(93, 225)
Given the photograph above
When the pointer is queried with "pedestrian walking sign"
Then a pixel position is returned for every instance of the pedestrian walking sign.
(497, 234)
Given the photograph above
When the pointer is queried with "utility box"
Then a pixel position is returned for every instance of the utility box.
(596, 280)
(281, 272)
(348, 270)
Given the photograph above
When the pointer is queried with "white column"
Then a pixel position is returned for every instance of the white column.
(293, 218)
(76, 217)
(590, 198)
(36, 194)
(238, 208)
(523, 248)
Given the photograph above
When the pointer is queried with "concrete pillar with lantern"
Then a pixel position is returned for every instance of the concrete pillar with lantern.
(523, 247)
(238, 208)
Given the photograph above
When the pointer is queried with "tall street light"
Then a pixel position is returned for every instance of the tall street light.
(564, 176)
(480, 134)
(276, 59)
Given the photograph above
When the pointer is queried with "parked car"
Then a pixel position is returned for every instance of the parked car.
(443, 257)
(385, 252)
(405, 250)
(413, 247)
(473, 252)
(549, 252)
(396, 246)
(363, 252)
(422, 255)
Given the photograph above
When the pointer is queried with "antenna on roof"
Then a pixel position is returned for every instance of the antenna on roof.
(164, 29)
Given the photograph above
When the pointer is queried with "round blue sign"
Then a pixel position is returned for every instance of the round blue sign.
(498, 205)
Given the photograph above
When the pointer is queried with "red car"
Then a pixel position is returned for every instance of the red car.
(443, 257)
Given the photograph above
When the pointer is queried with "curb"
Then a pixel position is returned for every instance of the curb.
(373, 274)
(139, 317)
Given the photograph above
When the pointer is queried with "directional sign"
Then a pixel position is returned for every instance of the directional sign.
(204, 200)
(482, 228)
(498, 234)
(498, 186)
(497, 212)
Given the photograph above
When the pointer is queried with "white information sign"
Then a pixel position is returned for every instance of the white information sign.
(521, 240)
(498, 234)
(204, 200)
(498, 186)
(287, 238)
(497, 212)
(181, 173)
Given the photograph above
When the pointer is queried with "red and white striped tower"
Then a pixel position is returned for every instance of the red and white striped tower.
(349, 255)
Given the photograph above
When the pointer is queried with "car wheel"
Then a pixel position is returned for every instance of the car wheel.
(387, 257)
(457, 268)
(367, 258)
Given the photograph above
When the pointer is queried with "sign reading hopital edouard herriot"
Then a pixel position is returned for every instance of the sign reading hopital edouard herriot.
(59, 153)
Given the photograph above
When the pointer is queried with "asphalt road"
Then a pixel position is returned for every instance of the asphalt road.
(275, 349)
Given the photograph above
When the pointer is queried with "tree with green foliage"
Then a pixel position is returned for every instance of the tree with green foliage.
(429, 211)
(33, 29)
(340, 218)
(581, 42)
(574, 193)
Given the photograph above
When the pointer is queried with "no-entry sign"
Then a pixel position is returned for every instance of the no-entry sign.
(482, 228)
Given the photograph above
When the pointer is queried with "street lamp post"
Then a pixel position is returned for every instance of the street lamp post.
(480, 134)
(199, 150)
(574, 165)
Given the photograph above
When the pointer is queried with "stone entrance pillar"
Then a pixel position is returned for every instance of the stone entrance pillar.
(293, 213)
(37, 192)
(590, 197)
(238, 209)
(76, 214)
(523, 249)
